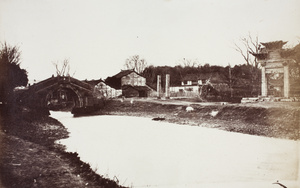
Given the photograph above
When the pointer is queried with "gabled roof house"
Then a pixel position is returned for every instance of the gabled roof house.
(132, 83)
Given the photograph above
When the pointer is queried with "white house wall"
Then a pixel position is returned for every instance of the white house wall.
(184, 91)
(133, 79)
(184, 88)
(103, 90)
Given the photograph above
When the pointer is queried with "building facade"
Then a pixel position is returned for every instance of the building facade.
(130, 83)
(191, 84)
(103, 90)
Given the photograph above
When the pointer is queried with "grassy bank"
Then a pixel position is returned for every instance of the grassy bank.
(30, 158)
(272, 120)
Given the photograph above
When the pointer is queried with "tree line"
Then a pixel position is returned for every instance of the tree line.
(239, 77)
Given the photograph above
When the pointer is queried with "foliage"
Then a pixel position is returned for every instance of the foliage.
(294, 70)
(11, 75)
(296, 55)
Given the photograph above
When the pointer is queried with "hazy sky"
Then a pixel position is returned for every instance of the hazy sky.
(97, 36)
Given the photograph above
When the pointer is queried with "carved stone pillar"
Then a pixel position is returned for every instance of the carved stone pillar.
(167, 86)
(158, 86)
(264, 86)
(286, 82)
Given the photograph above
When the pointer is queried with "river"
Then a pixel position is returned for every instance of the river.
(139, 152)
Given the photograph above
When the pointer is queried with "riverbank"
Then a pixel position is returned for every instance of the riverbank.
(30, 158)
(278, 120)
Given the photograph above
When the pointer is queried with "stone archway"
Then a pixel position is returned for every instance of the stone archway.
(275, 62)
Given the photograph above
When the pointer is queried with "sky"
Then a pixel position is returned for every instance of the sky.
(97, 36)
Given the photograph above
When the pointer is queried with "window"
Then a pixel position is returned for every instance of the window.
(189, 82)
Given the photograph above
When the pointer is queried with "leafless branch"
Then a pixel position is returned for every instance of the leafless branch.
(251, 46)
(238, 49)
(65, 68)
(135, 63)
(188, 62)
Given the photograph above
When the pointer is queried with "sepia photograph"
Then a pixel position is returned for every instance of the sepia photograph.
(149, 93)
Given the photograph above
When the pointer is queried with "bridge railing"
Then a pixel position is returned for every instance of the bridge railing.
(44, 83)
(60, 80)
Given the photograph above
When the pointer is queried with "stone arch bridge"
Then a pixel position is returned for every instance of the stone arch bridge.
(61, 92)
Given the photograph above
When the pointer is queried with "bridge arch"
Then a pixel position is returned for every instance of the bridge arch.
(63, 96)
(57, 91)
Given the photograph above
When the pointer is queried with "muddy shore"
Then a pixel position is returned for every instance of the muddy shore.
(30, 158)
(278, 120)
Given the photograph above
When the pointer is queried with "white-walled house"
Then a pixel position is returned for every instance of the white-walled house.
(192, 83)
(104, 90)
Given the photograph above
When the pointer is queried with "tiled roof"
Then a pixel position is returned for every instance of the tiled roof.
(123, 73)
(93, 82)
(274, 44)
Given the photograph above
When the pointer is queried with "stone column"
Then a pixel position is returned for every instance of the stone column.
(158, 86)
(286, 83)
(167, 94)
(264, 86)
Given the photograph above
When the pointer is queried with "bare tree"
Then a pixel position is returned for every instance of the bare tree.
(63, 69)
(135, 63)
(249, 46)
(188, 62)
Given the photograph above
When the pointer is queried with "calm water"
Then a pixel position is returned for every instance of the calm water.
(139, 152)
